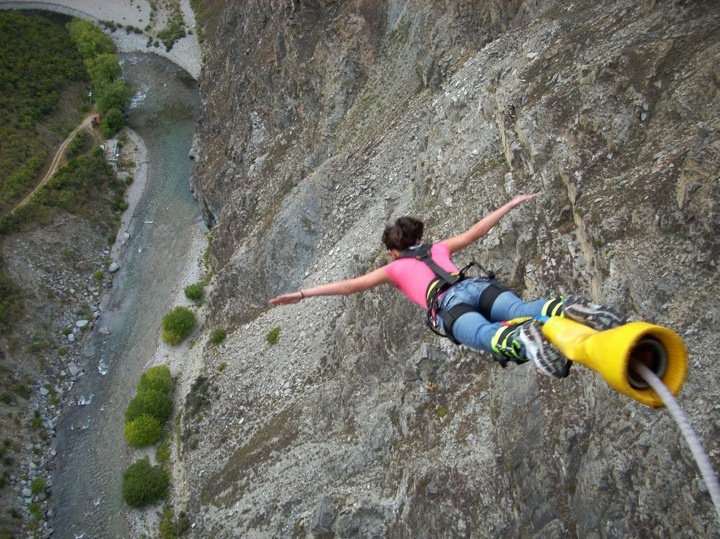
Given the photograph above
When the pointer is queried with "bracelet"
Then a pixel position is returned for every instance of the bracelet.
(302, 296)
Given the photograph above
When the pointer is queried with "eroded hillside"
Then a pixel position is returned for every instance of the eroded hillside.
(323, 121)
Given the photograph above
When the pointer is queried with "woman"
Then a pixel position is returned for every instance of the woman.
(475, 312)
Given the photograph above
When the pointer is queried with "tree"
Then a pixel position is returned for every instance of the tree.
(113, 96)
(89, 39)
(102, 69)
(112, 122)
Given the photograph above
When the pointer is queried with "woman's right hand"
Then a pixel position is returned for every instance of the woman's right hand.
(287, 299)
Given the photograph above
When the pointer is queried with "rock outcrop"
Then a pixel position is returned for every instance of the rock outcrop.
(322, 121)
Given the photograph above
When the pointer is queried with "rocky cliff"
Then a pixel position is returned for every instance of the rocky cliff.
(322, 121)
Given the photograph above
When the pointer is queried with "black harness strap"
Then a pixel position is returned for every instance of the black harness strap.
(488, 297)
(450, 316)
(445, 280)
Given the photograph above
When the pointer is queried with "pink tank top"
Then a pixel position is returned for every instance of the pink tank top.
(412, 276)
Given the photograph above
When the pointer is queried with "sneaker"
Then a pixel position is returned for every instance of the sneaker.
(592, 315)
(548, 359)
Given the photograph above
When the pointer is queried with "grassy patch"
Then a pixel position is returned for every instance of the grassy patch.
(218, 335)
(273, 336)
(276, 436)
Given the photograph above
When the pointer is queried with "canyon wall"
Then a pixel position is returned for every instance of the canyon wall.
(322, 122)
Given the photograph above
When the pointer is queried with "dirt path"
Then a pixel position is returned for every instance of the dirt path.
(57, 160)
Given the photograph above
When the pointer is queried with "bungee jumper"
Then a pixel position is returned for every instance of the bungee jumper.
(474, 311)
(643, 361)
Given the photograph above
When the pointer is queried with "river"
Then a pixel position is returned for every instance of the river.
(91, 456)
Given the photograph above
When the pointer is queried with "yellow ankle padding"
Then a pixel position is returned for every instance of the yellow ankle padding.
(611, 353)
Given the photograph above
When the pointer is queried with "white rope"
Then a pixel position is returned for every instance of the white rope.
(711, 480)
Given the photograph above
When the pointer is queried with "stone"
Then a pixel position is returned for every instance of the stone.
(323, 517)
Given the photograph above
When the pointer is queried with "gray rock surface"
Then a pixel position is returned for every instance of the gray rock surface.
(323, 121)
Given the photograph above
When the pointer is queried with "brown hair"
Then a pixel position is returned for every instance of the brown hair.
(406, 232)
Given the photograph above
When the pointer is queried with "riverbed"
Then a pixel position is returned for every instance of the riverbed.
(161, 241)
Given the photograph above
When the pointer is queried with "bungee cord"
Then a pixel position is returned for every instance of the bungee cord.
(701, 458)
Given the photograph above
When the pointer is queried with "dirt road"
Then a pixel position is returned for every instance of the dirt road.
(57, 160)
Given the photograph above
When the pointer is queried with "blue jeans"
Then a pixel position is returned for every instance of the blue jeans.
(473, 329)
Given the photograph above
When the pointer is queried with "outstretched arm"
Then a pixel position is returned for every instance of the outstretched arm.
(337, 288)
(484, 225)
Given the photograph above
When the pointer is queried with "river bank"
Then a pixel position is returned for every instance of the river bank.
(157, 252)
(137, 20)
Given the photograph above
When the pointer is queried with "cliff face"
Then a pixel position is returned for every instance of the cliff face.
(322, 122)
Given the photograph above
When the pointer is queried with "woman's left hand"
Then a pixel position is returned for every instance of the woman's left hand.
(519, 199)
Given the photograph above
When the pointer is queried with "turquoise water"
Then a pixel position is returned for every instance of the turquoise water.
(91, 452)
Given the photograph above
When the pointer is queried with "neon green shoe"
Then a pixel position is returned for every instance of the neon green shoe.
(524, 341)
(548, 359)
(592, 315)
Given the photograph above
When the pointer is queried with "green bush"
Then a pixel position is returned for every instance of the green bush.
(144, 484)
(177, 325)
(149, 402)
(157, 378)
(11, 301)
(194, 292)
(218, 335)
(112, 122)
(144, 430)
(273, 335)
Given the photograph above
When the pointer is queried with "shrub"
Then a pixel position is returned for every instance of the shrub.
(157, 378)
(167, 529)
(144, 484)
(218, 335)
(149, 402)
(162, 453)
(98, 275)
(11, 300)
(37, 486)
(143, 431)
(194, 292)
(112, 122)
(273, 335)
(177, 325)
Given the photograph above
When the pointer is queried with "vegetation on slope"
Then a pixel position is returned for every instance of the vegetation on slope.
(38, 65)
